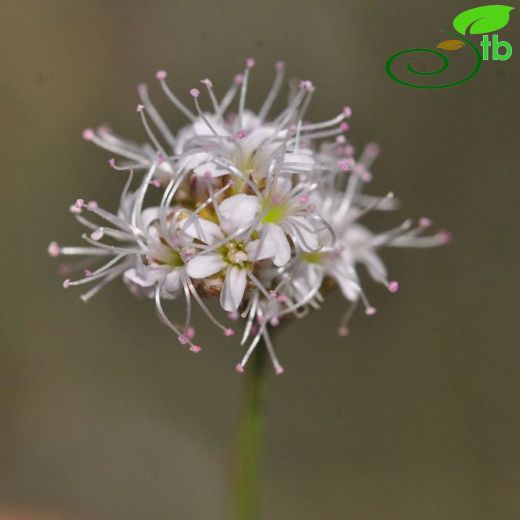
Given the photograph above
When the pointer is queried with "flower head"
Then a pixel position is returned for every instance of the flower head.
(265, 213)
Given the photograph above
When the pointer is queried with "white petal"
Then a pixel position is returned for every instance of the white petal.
(307, 279)
(254, 139)
(260, 249)
(348, 284)
(300, 162)
(202, 229)
(148, 216)
(211, 169)
(357, 235)
(277, 240)
(202, 266)
(374, 265)
(233, 289)
(302, 231)
(282, 187)
(349, 289)
(249, 121)
(191, 161)
(165, 168)
(347, 256)
(144, 278)
(200, 127)
(238, 211)
(172, 283)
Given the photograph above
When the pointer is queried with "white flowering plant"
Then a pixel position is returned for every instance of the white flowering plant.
(262, 212)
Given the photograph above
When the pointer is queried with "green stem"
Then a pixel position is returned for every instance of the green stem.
(246, 491)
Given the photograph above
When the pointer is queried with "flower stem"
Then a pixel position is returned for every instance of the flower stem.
(246, 498)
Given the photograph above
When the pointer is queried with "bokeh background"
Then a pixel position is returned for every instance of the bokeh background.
(415, 415)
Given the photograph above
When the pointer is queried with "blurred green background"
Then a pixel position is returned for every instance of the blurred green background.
(414, 416)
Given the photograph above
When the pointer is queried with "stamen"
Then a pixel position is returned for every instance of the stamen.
(273, 93)
(343, 329)
(260, 287)
(393, 286)
(189, 331)
(345, 165)
(140, 194)
(326, 124)
(445, 236)
(230, 94)
(90, 135)
(277, 367)
(151, 136)
(284, 118)
(371, 207)
(214, 102)
(156, 117)
(369, 309)
(97, 234)
(161, 76)
(112, 275)
(83, 251)
(195, 94)
(124, 193)
(250, 63)
(162, 316)
(206, 311)
(247, 355)
(54, 249)
(253, 305)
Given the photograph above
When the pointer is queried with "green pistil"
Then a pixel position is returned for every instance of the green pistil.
(312, 258)
(275, 214)
(175, 259)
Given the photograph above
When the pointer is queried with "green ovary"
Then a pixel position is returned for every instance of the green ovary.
(234, 253)
(275, 214)
(174, 259)
(312, 258)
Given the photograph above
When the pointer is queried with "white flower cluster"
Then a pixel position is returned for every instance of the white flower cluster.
(263, 213)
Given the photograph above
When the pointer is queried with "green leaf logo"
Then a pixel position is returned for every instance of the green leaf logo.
(481, 20)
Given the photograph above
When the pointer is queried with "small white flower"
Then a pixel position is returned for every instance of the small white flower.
(286, 213)
(232, 250)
